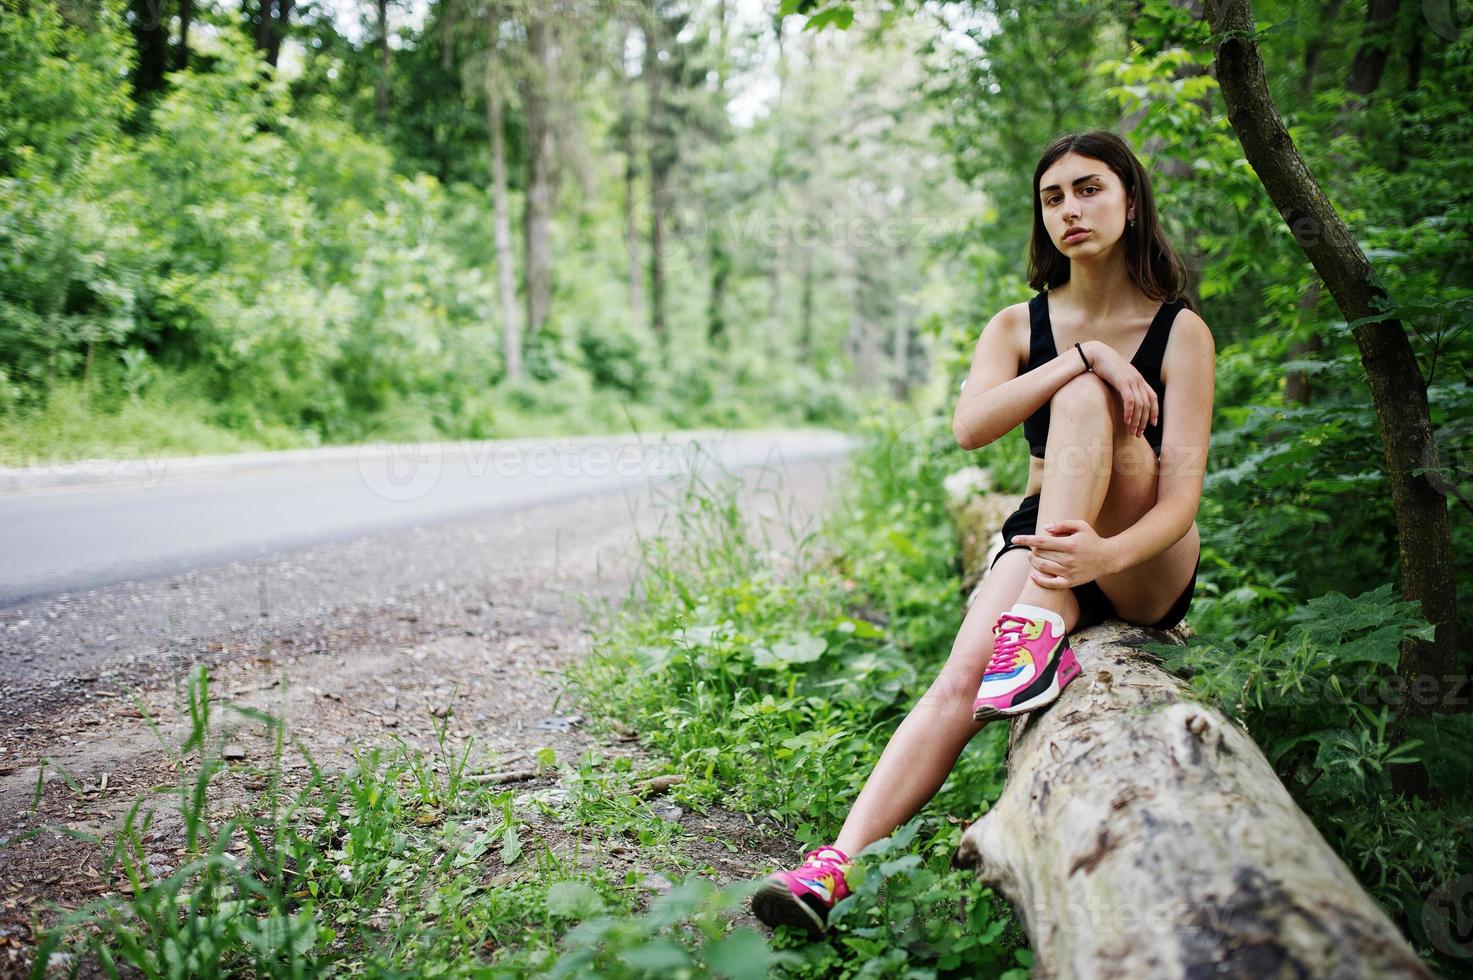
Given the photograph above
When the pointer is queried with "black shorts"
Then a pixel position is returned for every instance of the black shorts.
(1094, 605)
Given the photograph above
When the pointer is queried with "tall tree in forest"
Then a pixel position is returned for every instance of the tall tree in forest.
(1174, 168)
(537, 81)
(627, 127)
(776, 171)
(1398, 390)
(660, 147)
(272, 18)
(1297, 382)
(494, 78)
(381, 89)
(486, 40)
(181, 48)
(677, 113)
(150, 22)
(1366, 69)
(719, 259)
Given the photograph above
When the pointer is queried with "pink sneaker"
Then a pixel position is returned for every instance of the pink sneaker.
(804, 896)
(1031, 663)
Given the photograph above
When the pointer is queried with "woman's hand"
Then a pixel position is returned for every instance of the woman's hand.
(1070, 554)
(1141, 406)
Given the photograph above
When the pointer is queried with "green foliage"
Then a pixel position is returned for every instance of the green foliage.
(59, 95)
(377, 870)
(903, 913)
(383, 868)
(684, 932)
(252, 261)
(266, 243)
(1318, 695)
(72, 266)
(775, 693)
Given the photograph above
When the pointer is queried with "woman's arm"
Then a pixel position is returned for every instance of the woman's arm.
(1189, 371)
(995, 398)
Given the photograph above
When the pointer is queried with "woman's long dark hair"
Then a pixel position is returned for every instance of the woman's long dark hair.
(1149, 258)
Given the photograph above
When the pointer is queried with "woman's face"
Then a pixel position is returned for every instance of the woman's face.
(1084, 205)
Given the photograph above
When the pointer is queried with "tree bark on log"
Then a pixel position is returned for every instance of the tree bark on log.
(1143, 834)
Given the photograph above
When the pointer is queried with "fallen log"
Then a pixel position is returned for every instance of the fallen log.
(1143, 834)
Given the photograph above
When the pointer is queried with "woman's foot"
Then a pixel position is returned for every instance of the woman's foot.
(1031, 663)
(804, 896)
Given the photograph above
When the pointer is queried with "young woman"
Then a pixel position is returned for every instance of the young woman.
(1111, 375)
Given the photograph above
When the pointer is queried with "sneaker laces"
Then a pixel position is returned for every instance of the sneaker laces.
(1008, 644)
(821, 859)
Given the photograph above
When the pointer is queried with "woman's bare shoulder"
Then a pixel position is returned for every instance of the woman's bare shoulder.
(1002, 349)
(1192, 328)
(1014, 325)
(1189, 346)
(1017, 313)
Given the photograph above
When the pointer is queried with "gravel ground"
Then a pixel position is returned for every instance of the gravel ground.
(357, 643)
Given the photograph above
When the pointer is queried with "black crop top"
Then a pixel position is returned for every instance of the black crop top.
(1147, 361)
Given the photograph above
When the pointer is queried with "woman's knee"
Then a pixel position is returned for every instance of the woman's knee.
(1084, 391)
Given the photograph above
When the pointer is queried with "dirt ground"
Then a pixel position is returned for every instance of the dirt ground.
(360, 643)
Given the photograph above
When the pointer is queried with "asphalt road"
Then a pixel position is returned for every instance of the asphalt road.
(124, 583)
(171, 516)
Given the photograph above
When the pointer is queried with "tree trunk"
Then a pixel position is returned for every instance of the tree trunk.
(1370, 56)
(151, 36)
(659, 166)
(382, 94)
(275, 15)
(776, 259)
(538, 218)
(900, 355)
(511, 335)
(723, 56)
(446, 25)
(1314, 45)
(1142, 834)
(1298, 389)
(1297, 386)
(719, 257)
(1177, 172)
(719, 260)
(1397, 388)
(181, 52)
(657, 256)
(631, 238)
(630, 149)
(863, 342)
(805, 305)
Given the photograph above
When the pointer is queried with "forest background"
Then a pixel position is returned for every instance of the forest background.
(285, 225)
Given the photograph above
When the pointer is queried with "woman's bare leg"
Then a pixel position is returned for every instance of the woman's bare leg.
(1089, 459)
(1094, 471)
(923, 750)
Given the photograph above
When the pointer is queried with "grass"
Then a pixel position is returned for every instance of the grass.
(768, 681)
(75, 425)
(176, 416)
(765, 675)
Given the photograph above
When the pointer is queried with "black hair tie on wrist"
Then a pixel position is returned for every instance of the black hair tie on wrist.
(1087, 366)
